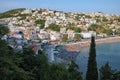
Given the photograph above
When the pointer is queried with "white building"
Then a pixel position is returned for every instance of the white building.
(27, 11)
(88, 34)
(18, 36)
(11, 27)
(52, 58)
(54, 35)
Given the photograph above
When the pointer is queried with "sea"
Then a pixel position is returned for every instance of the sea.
(107, 52)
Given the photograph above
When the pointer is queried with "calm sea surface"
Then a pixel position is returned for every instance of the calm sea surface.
(108, 52)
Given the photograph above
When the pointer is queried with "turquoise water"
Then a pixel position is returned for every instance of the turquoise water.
(105, 52)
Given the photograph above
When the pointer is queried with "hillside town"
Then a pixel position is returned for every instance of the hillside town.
(42, 26)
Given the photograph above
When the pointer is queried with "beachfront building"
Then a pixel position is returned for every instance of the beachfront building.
(89, 34)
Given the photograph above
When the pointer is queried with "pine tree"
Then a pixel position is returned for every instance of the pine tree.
(92, 73)
(105, 72)
(74, 74)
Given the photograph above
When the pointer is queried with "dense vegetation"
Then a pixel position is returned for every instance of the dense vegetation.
(3, 30)
(106, 73)
(97, 28)
(54, 27)
(100, 29)
(11, 13)
(73, 27)
(23, 16)
(40, 22)
(27, 65)
(64, 38)
(77, 37)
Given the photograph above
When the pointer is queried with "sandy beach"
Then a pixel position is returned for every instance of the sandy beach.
(78, 46)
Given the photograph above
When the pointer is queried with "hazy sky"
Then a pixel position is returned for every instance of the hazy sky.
(106, 6)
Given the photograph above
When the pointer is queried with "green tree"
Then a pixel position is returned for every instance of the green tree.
(3, 30)
(104, 19)
(92, 73)
(77, 29)
(116, 75)
(54, 27)
(118, 31)
(58, 72)
(105, 72)
(74, 74)
(108, 31)
(64, 38)
(70, 26)
(73, 27)
(23, 16)
(9, 64)
(118, 19)
(28, 59)
(41, 68)
(77, 36)
(78, 16)
(97, 28)
(41, 22)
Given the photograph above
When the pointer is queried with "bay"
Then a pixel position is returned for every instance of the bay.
(107, 52)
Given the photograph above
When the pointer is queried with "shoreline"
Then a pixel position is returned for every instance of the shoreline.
(78, 46)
